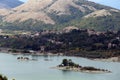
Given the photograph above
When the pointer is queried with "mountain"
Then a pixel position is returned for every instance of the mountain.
(57, 14)
(9, 3)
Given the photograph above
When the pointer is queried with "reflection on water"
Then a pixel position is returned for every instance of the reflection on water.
(41, 69)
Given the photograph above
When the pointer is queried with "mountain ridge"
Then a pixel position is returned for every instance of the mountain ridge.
(53, 13)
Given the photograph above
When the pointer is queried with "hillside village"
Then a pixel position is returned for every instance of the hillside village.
(70, 41)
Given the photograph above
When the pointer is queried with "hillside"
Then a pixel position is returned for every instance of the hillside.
(57, 14)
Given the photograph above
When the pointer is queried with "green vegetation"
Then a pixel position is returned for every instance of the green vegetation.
(75, 19)
(101, 23)
(70, 65)
(18, 51)
(76, 42)
(69, 62)
(97, 6)
(3, 77)
(29, 25)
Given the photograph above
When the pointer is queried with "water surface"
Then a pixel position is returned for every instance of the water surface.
(41, 69)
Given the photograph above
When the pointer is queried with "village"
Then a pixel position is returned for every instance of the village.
(69, 41)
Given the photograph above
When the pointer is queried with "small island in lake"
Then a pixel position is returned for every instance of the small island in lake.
(69, 65)
(25, 59)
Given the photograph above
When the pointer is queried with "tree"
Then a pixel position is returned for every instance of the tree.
(65, 62)
(3, 77)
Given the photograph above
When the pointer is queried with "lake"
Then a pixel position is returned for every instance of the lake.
(41, 69)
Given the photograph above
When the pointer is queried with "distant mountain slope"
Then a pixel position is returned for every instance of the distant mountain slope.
(57, 14)
(9, 3)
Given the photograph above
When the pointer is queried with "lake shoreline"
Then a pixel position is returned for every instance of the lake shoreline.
(111, 59)
(38, 53)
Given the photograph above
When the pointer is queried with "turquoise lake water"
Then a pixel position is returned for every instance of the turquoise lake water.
(41, 69)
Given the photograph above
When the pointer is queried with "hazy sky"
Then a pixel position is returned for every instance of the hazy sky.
(112, 3)
(23, 0)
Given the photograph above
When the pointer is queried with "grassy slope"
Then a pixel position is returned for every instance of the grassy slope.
(76, 19)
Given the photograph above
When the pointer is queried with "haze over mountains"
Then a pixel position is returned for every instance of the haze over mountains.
(9, 3)
(56, 14)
